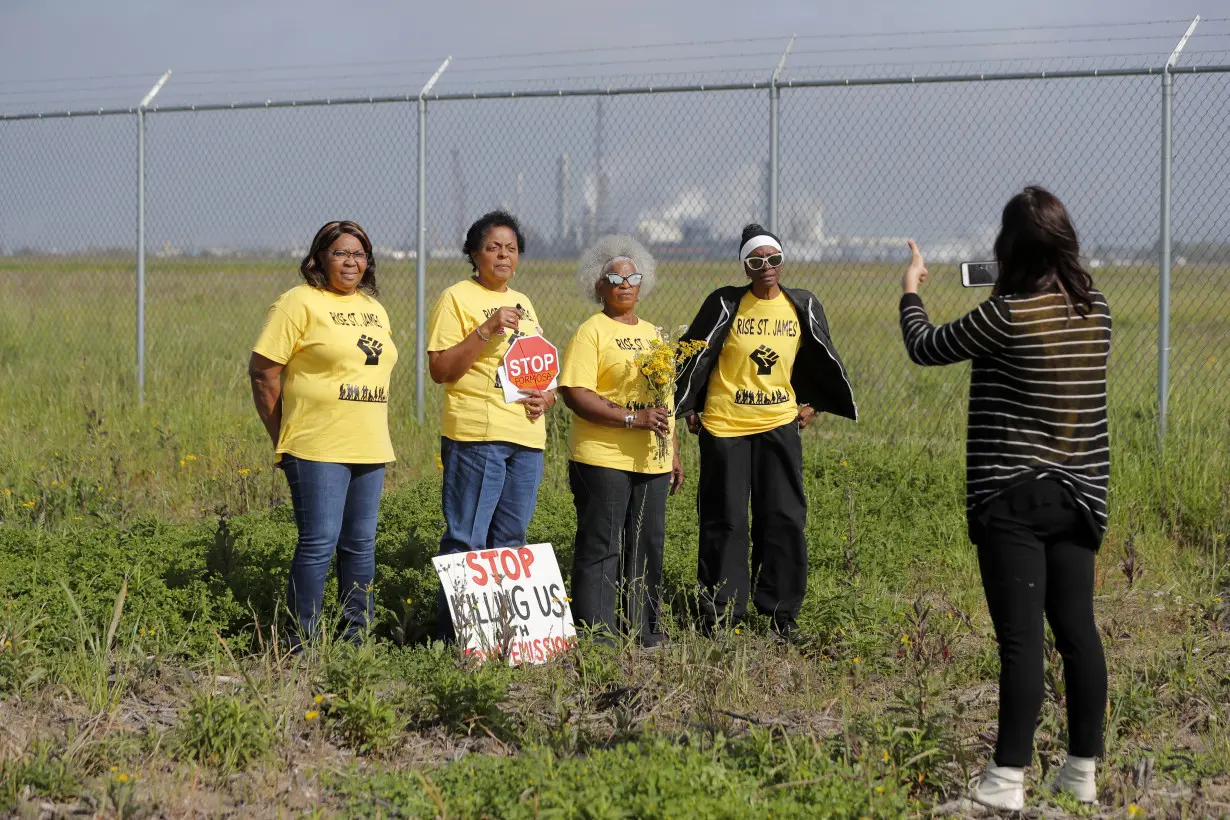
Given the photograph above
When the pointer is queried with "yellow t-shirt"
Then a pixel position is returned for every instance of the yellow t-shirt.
(600, 358)
(339, 354)
(474, 406)
(750, 391)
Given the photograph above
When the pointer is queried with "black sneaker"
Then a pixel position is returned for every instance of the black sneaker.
(786, 631)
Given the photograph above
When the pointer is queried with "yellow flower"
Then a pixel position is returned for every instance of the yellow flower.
(123, 778)
(243, 472)
(738, 630)
(858, 660)
(409, 600)
(884, 755)
(8, 644)
(29, 504)
(182, 462)
(879, 790)
(114, 769)
(950, 616)
(141, 631)
(845, 463)
(190, 458)
(8, 491)
(319, 699)
(1134, 810)
(311, 714)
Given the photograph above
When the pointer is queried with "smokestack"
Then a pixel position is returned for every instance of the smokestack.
(564, 183)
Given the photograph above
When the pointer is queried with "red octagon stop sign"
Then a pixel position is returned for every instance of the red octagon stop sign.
(531, 363)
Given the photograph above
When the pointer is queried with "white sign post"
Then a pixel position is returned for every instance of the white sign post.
(508, 603)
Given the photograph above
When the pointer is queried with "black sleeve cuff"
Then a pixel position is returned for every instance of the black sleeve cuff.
(910, 300)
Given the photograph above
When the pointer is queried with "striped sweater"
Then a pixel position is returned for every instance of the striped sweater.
(1037, 396)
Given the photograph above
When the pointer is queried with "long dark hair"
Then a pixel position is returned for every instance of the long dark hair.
(1037, 249)
(313, 270)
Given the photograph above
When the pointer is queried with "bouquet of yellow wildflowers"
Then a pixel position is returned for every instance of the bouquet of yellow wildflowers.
(659, 364)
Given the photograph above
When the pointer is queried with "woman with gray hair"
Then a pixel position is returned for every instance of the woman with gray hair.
(618, 473)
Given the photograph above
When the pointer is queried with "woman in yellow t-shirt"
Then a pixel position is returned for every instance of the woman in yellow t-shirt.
(768, 368)
(320, 379)
(490, 449)
(618, 474)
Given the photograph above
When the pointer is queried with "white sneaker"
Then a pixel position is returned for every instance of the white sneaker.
(1001, 787)
(1078, 777)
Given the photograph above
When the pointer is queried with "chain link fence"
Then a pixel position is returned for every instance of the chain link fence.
(234, 197)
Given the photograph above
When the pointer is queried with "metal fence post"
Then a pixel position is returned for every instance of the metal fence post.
(420, 258)
(145, 101)
(1164, 262)
(775, 96)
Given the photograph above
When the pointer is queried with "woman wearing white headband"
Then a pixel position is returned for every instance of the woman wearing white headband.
(768, 368)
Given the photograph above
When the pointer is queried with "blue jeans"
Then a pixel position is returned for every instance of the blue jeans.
(489, 493)
(336, 506)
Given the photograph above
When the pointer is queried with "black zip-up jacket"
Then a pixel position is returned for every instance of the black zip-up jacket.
(819, 378)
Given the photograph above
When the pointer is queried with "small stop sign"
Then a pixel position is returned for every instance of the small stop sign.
(531, 362)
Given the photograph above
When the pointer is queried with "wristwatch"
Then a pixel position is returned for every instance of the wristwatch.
(628, 419)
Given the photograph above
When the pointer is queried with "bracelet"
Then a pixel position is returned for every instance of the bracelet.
(478, 331)
(628, 419)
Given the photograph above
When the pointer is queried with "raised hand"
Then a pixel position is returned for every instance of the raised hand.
(764, 358)
(916, 273)
(372, 348)
(504, 318)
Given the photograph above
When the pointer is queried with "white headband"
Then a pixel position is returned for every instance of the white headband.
(757, 241)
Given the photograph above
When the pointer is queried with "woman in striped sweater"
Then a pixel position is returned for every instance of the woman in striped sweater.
(1037, 470)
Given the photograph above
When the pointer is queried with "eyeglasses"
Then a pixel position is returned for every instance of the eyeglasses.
(632, 279)
(758, 262)
(342, 256)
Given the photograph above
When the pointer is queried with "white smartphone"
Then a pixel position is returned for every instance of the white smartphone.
(979, 274)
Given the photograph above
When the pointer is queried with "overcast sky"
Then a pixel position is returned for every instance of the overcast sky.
(929, 161)
(117, 49)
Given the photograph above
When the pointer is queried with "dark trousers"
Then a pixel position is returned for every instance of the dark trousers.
(767, 470)
(617, 555)
(1036, 554)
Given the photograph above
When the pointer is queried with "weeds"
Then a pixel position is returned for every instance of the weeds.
(883, 714)
(42, 772)
(224, 731)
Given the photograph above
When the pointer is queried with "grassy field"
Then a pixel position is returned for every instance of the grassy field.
(143, 552)
(67, 339)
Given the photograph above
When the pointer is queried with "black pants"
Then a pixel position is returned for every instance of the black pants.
(767, 469)
(617, 555)
(1036, 554)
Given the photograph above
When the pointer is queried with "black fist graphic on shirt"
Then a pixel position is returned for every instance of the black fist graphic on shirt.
(764, 358)
(372, 348)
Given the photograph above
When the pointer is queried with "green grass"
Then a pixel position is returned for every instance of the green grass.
(139, 596)
(67, 340)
